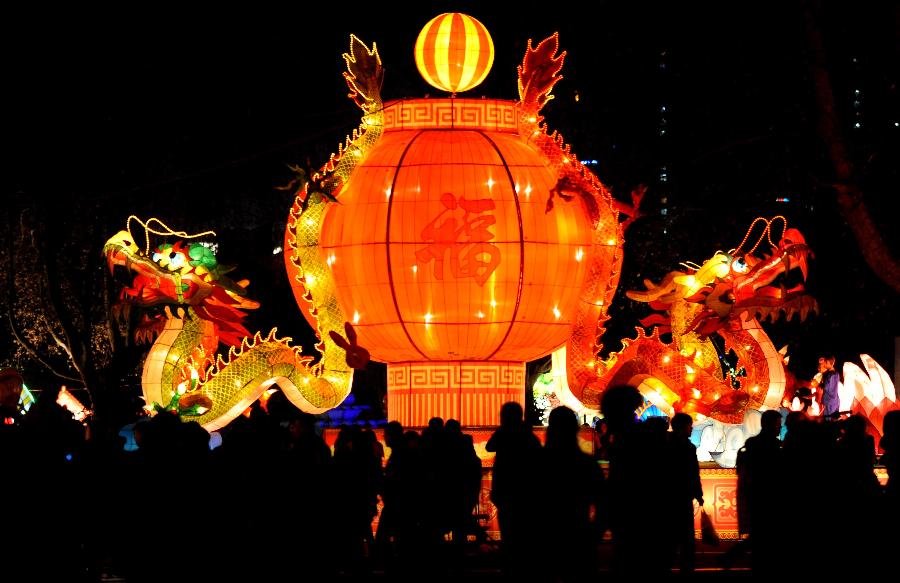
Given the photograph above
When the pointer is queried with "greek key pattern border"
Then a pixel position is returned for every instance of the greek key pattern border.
(477, 114)
(470, 392)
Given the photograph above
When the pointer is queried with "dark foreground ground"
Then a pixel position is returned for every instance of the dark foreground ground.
(481, 563)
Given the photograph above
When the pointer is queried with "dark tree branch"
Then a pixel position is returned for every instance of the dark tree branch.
(13, 326)
(848, 191)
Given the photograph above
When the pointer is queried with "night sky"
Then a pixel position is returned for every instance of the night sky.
(193, 116)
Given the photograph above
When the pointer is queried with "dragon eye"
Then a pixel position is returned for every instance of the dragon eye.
(739, 266)
(176, 261)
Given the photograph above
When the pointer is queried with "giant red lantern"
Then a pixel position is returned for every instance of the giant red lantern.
(444, 256)
(466, 242)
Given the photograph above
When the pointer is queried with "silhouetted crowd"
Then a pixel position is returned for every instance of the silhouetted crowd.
(275, 503)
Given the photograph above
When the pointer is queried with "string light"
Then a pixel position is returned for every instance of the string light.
(166, 230)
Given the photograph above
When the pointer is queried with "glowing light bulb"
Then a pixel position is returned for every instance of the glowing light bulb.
(579, 255)
(556, 312)
(355, 317)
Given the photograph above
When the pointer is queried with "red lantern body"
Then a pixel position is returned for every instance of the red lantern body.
(447, 262)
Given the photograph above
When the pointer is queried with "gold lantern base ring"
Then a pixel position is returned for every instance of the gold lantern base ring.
(469, 391)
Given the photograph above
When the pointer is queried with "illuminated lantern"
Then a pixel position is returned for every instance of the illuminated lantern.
(463, 245)
(443, 254)
(10, 388)
(454, 52)
(71, 403)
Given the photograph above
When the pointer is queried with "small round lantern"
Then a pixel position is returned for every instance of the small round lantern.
(454, 52)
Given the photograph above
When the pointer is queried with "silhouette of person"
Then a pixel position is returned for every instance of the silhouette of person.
(462, 472)
(599, 438)
(636, 474)
(518, 453)
(760, 473)
(571, 530)
(392, 507)
(683, 487)
(890, 458)
(890, 445)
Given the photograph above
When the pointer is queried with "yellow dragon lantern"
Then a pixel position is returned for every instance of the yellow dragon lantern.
(188, 307)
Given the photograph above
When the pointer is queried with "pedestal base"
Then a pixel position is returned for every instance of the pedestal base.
(470, 391)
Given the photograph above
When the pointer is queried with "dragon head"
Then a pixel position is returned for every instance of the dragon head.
(172, 275)
(731, 286)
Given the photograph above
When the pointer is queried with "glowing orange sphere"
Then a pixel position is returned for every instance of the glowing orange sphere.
(442, 248)
(454, 52)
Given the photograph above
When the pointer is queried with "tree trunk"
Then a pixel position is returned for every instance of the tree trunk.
(849, 194)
